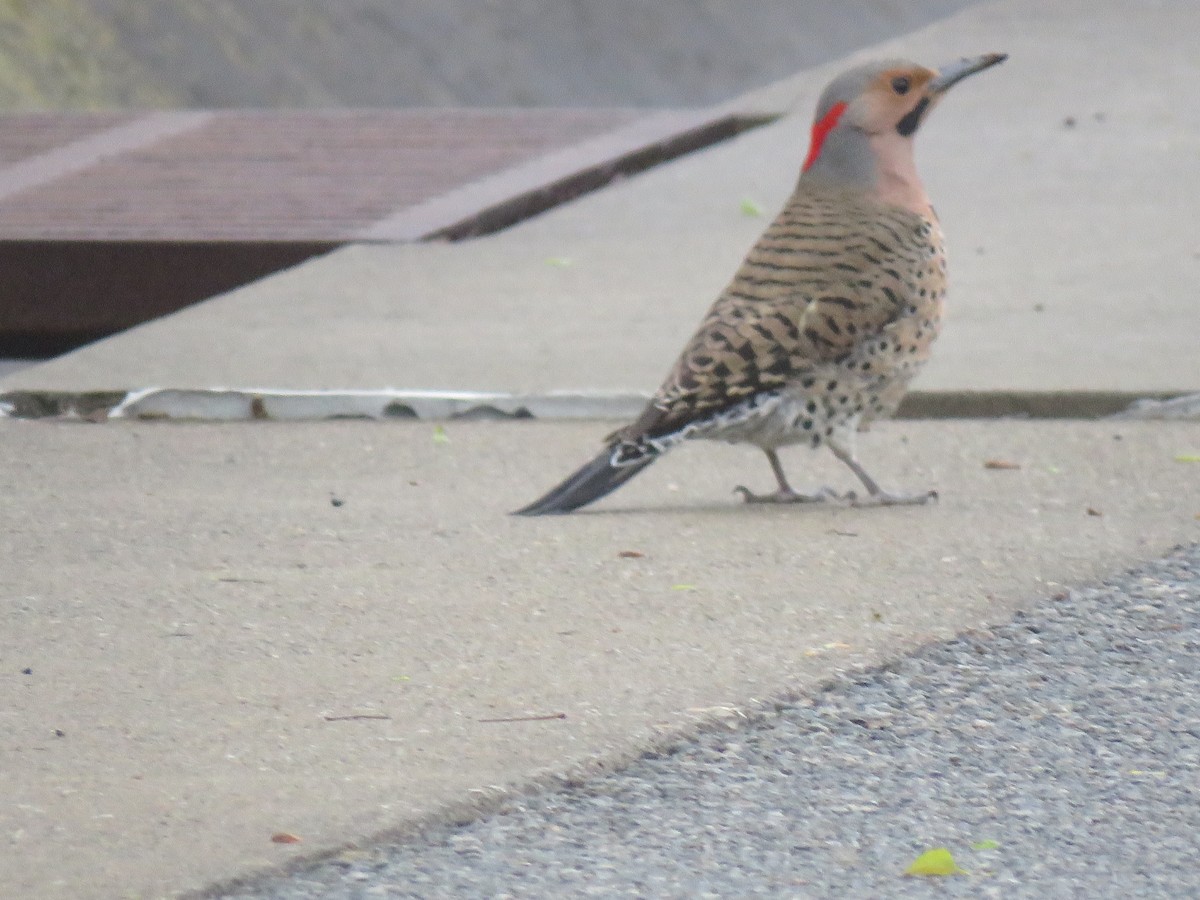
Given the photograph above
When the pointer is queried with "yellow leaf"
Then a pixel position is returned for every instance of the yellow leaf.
(985, 845)
(1188, 457)
(937, 861)
(683, 587)
(559, 262)
(750, 208)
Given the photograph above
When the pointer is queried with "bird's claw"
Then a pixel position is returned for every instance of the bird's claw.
(824, 495)
(828, 495)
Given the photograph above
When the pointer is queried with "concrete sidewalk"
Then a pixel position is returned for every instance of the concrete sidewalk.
(190, 626)
(212, 634)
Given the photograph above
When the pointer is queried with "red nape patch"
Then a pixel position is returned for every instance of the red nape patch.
(821, 131)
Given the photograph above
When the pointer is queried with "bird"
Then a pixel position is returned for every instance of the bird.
(829, 317)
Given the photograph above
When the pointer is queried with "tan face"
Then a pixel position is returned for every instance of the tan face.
(891, 100)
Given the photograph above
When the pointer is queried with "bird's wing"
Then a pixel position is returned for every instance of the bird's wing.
(820, 281)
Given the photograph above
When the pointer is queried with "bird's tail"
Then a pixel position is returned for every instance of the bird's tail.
(595, 479)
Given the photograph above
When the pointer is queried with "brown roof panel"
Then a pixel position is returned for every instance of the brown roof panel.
(27, 134)
(283, 176)
(107, 220)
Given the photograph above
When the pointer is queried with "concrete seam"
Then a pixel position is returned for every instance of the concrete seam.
(269, 404)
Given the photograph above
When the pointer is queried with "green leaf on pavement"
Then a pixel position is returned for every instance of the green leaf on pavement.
(439, 435)
(1188, 457)
(985, 845)
(937, 861)
(559, 262)
(751, 209)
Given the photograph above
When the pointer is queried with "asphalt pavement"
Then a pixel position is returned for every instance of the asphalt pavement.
(1057, 755)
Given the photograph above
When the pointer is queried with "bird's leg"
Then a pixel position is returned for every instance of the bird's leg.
(784, 494)
(877, 495)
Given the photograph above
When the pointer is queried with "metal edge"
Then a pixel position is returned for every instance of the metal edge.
(511, 195)
(269, 404)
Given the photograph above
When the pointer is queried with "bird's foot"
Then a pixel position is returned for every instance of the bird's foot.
(824, 495)
(883, 498)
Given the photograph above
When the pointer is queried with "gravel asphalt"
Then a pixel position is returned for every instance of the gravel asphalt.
(1057, 755)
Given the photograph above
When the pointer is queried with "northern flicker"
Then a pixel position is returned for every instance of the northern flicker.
(830, 315)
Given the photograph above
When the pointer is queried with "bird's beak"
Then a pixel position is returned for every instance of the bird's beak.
(952, 74)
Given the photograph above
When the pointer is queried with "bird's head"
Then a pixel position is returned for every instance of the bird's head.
(874, 106)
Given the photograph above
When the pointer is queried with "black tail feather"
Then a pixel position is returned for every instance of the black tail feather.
(592, 481)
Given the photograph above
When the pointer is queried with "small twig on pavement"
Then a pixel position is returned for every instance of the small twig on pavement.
(527, 718)
(358, 716)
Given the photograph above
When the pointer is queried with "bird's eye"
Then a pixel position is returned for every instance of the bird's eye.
(901, 84)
